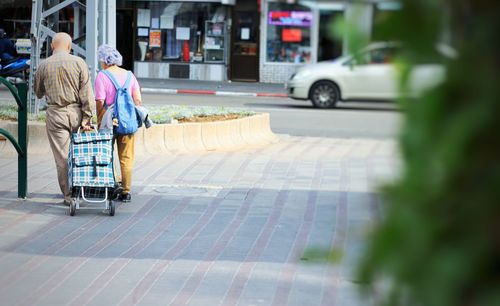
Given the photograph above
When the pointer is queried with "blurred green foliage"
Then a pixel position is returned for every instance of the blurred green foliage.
(438, 243)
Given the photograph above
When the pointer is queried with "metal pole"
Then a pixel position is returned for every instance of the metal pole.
(36, 8)
(102, 20)
(91, 37)
(76, 20)
(22, 131)
(111, 23)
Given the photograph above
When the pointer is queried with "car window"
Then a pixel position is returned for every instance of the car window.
(374, 56)
(381, 56)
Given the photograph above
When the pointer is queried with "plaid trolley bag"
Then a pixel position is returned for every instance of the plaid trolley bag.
(90, 166)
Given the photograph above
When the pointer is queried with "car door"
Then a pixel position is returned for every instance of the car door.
(371, 76)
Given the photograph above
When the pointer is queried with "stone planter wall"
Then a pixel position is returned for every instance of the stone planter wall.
(171, 138)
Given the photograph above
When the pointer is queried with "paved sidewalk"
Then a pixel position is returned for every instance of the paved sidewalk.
(213, 229)
(173, 86)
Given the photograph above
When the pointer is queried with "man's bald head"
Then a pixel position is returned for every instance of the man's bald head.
(61, 42)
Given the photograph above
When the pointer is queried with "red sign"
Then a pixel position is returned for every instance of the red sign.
(291, 35)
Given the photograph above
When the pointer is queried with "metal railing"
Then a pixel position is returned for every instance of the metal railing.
(20, 93)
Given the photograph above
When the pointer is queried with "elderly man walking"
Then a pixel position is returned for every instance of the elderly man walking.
(64, 80)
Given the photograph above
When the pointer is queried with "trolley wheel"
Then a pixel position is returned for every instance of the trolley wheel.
(72, 208)
(111, 208)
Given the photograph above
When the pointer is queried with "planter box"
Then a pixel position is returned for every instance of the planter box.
(227, 135)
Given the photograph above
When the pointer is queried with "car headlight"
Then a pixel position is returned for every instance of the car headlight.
(302, 74)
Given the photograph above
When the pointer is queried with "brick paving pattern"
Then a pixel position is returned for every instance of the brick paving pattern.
(226, 228)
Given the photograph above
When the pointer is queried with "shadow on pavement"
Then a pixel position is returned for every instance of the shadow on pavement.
(179, 227)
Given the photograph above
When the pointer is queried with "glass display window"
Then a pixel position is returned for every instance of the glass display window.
(177, 30)
(288, 33)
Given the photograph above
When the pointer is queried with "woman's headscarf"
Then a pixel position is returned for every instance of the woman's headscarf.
(109, 55)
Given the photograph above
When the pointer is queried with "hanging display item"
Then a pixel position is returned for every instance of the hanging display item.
(155, 38)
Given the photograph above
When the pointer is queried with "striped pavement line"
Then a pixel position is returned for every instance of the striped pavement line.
(245, 269)
(212, 92)
(11, 249)
(88, 292)
(31, 176)
(202, 269)
(98, 284)
(148, 281)
(161, 265)
(153, 276)
(30, 166)
(58, 278)
(15, 275)
(332, 274)
(375, 207)
(217, 166)
(287, 275)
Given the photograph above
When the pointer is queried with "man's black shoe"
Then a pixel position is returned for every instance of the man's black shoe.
(125, 197)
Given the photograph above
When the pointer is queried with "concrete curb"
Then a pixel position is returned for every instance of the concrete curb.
(161, 139)
(211, 92)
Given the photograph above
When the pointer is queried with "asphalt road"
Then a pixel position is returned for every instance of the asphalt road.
(350, 120)
(377, 120)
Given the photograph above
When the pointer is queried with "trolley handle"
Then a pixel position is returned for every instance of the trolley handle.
(91, 126)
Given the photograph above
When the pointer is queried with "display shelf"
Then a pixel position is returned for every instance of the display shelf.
(215, 42)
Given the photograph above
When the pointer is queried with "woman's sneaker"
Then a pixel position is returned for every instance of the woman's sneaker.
(124, 197)
(117, 191)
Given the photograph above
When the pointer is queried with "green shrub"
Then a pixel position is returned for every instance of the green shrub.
(438, 243)
(8, 111)
(159, 114)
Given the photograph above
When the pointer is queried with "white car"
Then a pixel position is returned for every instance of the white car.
(369, 76)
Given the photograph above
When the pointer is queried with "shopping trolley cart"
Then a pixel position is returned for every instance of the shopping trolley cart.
(90, 167)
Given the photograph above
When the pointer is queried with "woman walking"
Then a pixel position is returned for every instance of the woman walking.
(105, 93)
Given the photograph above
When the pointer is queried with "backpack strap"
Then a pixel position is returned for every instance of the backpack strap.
(129, 79)
(115, 82)
(112, 79)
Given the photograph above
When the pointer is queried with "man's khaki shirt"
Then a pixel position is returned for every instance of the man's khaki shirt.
(64, 79)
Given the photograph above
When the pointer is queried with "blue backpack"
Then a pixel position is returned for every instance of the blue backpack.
(124, 107)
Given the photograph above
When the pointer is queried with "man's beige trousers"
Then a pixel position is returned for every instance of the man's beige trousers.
(60, 123)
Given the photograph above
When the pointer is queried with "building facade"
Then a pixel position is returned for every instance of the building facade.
(222, 40)
(239, 40)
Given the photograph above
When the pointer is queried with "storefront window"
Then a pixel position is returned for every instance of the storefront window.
(180, 31)
(289, 33)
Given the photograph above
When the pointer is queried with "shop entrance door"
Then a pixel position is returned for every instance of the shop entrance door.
(328, 46)
(124, 37)
(245, 46)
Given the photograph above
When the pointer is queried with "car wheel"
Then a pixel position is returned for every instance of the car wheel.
(324, 94)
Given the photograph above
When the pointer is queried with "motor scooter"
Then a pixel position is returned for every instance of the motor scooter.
(15, 70)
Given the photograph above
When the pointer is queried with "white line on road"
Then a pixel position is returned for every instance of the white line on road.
(232, 93)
